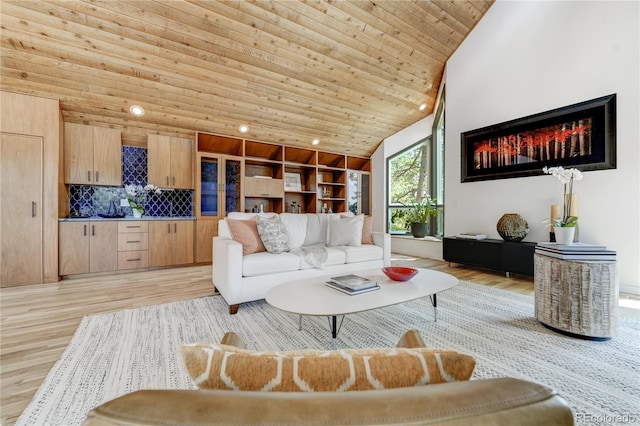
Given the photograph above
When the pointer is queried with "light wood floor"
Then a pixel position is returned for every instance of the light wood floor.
(37, 322)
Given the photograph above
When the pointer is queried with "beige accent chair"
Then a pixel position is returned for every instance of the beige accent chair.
(493, 402)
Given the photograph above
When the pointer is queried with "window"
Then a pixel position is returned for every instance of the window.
(408, 182)
(415, 173)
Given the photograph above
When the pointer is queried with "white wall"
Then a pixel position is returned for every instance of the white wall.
(395, 143)
(529, 57)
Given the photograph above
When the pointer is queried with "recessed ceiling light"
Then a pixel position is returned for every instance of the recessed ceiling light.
(136, 110)
(422, 107)
(315, 142)
(243, 128)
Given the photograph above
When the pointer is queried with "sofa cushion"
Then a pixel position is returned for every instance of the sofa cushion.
(345, 231)
(296, 228)
(362, 253)
(273, 235)
(214, 366)
(269, 263)
(246, 233)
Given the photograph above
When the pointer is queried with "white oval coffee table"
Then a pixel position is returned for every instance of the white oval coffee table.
(313, 297)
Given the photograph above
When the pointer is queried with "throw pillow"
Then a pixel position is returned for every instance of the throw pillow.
(273, 235)
(246, 233)
(213, 366)
(367, 230)
(317, 225)
(345, 231)
(296, 227)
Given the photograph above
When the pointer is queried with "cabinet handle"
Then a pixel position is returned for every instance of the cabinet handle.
(133, 226)
(33, 209)
(174, 180)
(84, 231)
(175, 228)
(93, 230)
(132, 242)
(89, 175)
(134, 260)
(167, 180)
(265, 195)
(168, 228)
(97, 175)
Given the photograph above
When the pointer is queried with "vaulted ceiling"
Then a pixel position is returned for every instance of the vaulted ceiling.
(347, 72)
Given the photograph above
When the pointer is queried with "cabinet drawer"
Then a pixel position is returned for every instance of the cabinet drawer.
(133, 259)
(133, 241)
(133, 226)
(257, 187)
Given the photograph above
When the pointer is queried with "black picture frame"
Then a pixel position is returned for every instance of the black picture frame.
(582, 135)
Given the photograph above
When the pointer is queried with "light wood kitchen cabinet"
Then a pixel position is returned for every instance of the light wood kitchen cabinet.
(170, 162)
(133, 244)
(170, 242)
(205, 231)
(261, 187)
(92, 155)
(21, 214)
(30, 183)
(88, 247)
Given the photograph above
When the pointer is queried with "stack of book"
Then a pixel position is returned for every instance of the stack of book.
(576, 251)
(472, 236)
(352, 284)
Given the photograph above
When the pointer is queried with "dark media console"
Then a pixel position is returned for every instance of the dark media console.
(505, 256)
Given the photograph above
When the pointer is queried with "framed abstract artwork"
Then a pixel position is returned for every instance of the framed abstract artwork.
(582, 135)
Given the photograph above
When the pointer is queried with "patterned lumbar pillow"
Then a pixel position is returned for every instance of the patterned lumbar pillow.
(213, 366)
(273, 234)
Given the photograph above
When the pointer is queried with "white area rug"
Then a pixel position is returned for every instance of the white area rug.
(114, 354)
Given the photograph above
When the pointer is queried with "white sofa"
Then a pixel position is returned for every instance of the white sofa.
(243, 278)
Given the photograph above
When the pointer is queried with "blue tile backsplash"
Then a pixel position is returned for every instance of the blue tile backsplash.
(85, 200)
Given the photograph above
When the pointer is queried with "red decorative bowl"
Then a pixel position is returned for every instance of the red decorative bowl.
(399, 273)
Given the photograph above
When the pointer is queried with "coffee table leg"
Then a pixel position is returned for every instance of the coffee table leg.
(335, 329)
(434, 302)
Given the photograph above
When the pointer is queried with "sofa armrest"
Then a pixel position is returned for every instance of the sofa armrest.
(227, 269)
(496, 402)
(383, 239)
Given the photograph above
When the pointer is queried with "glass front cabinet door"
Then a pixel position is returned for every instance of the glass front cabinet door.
(359, 192)
(219, 190)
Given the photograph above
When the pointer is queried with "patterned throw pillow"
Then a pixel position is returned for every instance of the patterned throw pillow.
(273, 234)
(213, 366)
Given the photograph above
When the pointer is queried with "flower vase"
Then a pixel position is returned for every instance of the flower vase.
(137, 213)
(564, 234)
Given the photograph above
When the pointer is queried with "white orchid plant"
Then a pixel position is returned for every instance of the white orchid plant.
(566, 176)
(137, 195)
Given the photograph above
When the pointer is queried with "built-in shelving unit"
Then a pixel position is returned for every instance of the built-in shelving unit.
(323, 176)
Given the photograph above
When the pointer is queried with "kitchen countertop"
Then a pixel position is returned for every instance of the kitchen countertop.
(98, 218)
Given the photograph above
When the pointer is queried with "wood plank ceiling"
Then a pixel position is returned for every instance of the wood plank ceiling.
(348, 72)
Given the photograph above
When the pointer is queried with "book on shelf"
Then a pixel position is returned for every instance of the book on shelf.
(472, 236)
(353, 282)
(347, 290)
(592, 256)
(571, 247)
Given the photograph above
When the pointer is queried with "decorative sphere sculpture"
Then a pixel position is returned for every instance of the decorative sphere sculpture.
(512, 227)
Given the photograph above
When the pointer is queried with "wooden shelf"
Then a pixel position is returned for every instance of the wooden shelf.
(273, 161)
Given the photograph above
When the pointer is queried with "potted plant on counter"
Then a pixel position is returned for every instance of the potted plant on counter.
(418, 216)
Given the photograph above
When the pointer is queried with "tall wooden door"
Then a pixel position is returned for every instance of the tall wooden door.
(21, 219)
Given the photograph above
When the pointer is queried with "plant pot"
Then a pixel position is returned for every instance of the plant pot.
(137, 213)
(564, 234)
(419, 230)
